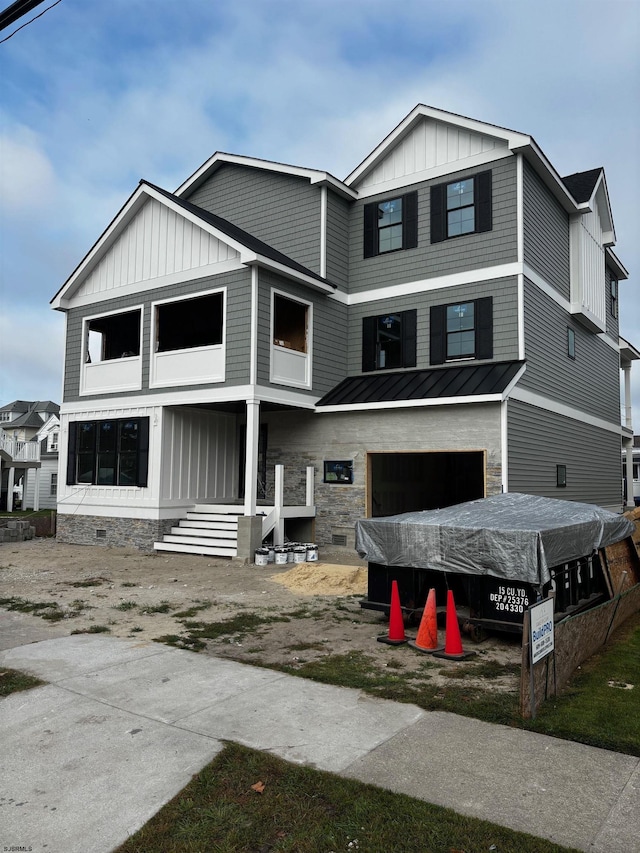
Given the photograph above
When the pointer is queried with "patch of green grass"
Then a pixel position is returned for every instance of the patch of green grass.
(593, 712)
(13, 681)
(94, 629)
(303, 647)
(87, 582)
(488, 669)
(358, 670)
(242, 624)
(191, 611)
(128, 583)
(302, 810)
(150, 609)
(190, 643)
(125, 605)
(50, 610)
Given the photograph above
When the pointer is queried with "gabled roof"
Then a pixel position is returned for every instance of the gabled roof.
(468, 380)
(220, 158)
(250, 249)
(25, 406)
(590, 191)
(582, 184)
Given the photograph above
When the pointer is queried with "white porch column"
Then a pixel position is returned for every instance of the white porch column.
(278, 502)
(26, 479)
(36, 489)
(627, 395)
(12, 479)
(251, 458)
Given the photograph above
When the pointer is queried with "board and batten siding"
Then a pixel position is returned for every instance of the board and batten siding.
(458, 254)
(199, 456)
(282, 210)
(539, 440)
(505, 318)
(546, 233)
(590, 382)
(329, 344)
(238, 307)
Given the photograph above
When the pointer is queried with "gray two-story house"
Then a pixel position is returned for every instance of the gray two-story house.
(274, 351)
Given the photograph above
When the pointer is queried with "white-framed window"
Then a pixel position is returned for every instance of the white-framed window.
(188, 339)
(291, 340)
(53, 441)
(53, 488)
(111, 352)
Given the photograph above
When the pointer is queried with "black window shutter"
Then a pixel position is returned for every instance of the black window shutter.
(71, 457)
(483, 202)
(438, 213)
(409, 335)
(143, 451)
(410, 220)
(484, 327)
(437, 335)
(371, 230)
(368, 343)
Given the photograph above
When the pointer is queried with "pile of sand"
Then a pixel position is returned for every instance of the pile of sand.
(324, 579)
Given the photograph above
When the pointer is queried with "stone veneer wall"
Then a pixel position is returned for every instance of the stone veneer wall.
(138, 533)
(298, 439)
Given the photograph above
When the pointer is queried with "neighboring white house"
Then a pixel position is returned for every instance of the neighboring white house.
(29, 438)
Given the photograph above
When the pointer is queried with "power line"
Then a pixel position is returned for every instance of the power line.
(17, 10)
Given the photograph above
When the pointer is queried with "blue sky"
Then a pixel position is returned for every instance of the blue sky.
(97, 94)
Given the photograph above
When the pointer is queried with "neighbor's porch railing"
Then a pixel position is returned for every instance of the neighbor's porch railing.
(19, 451)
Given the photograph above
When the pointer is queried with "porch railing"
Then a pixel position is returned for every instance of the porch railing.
(274, 518)
(19, 451)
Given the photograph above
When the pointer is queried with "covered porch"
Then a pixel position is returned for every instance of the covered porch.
(19, 460)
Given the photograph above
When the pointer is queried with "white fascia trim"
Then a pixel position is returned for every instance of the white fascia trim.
(426, 285)
(207, 271)
(439, 171)
(549, 175)
(616, 264)
(323, 231)
(228, 394)
(315, 176)
(512, 138)
(540, 402)
(411, 404)
(288, 272)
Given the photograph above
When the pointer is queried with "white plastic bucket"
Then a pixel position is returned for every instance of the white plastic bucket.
(289, 554)
(300, 554)
(312, 553)
(271, 555)
(262, 557)
(281, 556)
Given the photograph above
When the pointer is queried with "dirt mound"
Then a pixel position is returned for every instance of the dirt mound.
(324, 579)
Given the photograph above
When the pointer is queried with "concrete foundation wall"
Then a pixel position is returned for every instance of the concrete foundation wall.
(138, 533)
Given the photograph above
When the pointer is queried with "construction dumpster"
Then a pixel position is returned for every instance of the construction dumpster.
(498, 555)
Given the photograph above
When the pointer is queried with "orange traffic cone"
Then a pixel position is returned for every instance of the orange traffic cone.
(427, 639)
(452, 644)
(396, 624)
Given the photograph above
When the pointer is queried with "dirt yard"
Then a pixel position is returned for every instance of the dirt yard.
(283, 615)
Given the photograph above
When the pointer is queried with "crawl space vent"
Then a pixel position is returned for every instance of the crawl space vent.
(338, 539)
(101, 534)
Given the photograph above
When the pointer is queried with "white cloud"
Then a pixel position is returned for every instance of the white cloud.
(31, 346)
(27, 179)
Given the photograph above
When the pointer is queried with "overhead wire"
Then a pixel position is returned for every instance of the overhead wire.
(14, 13)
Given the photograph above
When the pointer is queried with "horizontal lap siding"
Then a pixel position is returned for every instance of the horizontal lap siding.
(329, 333)
(337, 239)
(540, 440)
(238, 289)
(590, 382)
(505, 318)
(546, 233)
(460, 254)
(281, 210)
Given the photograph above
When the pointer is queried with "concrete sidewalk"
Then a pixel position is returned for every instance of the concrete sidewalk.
(123, 725)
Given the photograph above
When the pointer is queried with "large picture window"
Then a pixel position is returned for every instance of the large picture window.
(391, 225)
(461, 207)
(389, 341)
(189, 323)
(112, 337)
(108, 452)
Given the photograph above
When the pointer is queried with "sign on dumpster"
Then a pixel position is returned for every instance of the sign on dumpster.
(541, 622)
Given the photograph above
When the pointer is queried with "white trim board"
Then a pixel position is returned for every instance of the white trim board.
(411, 404)
(548, 405)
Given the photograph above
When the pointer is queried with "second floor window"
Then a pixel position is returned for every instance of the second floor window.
(391, 224)
(189, 323)
(613, 297)
(389, 341)
(461, 330)
(461, 207)
(113, 336)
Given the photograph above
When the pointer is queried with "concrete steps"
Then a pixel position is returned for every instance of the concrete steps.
(205, 530)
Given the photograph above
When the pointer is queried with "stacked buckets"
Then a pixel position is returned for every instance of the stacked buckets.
(292, 552)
